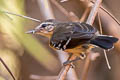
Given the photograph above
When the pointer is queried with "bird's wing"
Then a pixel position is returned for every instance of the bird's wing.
(69, 32)
(83, 31)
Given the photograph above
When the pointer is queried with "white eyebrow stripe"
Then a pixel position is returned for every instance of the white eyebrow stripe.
(42, 24)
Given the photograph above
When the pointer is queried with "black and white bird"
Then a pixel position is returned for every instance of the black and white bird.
(73, 37)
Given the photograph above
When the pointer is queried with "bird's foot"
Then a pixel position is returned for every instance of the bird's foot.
(71, 62)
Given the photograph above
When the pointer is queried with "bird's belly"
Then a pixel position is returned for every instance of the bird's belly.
(79, 49)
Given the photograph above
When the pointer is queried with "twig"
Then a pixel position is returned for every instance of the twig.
(85, 14)
(33, 19)
(7, 69)
(101, 7)
(100, 25)
(65, 69)
(63, 72)
(105, 53)
(72, 71)
(73, 17)
(64, 11)
(106, 58)
(86, 3)
(86, 67)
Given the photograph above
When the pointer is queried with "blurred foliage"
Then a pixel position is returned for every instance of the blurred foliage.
(13, 39)
(1, 78)
(12, 62)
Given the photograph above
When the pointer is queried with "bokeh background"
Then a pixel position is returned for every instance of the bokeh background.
(29, 56)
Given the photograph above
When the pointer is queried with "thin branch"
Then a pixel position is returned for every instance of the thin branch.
(7, 69)
(86, 3)
(62, 9)
(65, 69)
(105, 53)
(101, 7)
(106, 58)
(64, 72)
(100, 25)
(86, 67)
(65, 12)
(73, 17)
(85, 14)
(33, 19)
(72, 71)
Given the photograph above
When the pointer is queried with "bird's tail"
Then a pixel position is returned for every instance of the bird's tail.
(104, 41)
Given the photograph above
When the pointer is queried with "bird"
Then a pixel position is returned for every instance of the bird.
(77, 38)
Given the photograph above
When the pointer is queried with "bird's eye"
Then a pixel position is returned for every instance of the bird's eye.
(44, 25)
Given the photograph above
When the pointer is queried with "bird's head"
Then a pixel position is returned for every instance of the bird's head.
(45, 28)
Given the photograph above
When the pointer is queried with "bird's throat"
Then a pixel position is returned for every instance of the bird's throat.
(48, 35)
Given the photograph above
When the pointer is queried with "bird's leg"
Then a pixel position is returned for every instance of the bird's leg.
(82, 56)
(70, 55)
(68, 60)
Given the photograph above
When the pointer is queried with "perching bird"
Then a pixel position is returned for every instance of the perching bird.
(73, 37)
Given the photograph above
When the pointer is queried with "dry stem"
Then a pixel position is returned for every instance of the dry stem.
(90, 21)
(86, 67)
(33, 19)
(70, 16)
(100, 25)
(101, 7)
(65, 69)
(85, 14)
(105, 53)
(7, 69)
(93, 12)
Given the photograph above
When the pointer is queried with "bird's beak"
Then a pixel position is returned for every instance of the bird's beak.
(31, 32)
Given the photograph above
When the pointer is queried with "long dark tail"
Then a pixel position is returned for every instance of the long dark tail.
(104, 41)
